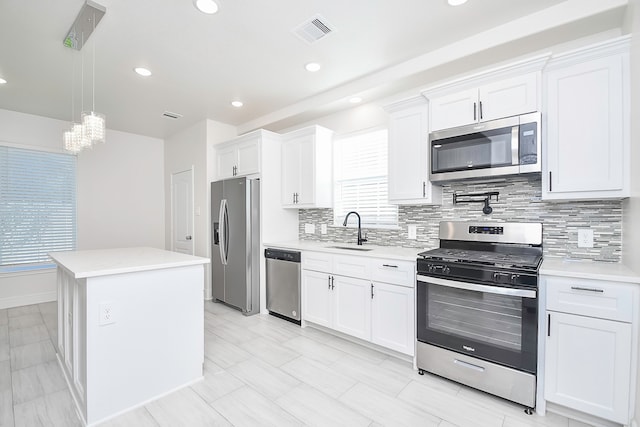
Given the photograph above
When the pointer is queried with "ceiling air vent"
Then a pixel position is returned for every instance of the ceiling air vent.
(171, 115)
(313, 29)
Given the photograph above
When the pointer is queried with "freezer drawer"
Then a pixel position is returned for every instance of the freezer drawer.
(283, 283)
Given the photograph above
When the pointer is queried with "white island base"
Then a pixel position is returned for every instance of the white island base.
(130, 326)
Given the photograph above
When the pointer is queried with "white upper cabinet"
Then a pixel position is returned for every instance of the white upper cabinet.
(586, 154)
(409, 155)
(503, 98)
(307, 174)
(240, 156)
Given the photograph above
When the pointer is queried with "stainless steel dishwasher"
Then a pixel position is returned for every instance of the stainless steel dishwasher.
(283, 284)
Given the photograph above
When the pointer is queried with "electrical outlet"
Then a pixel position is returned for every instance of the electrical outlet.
(412, 231)
(309, 229)
(323, 229)
(585, 238)
(107, 313)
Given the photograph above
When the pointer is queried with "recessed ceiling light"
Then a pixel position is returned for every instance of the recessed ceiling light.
(144, 72)
(355, 100)
(2, 81)
(237, 104)
(456, 2)
(206, 6)
(312, 67)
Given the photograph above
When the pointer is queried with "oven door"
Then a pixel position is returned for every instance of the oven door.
(493, 323)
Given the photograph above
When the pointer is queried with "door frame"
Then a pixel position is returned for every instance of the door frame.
(193, 202)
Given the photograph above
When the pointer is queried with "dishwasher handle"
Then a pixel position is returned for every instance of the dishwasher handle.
(282, 255)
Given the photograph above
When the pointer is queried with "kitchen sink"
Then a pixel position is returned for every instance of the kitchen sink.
(351, 248)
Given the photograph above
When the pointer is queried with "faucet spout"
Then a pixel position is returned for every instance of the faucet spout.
(360, 239)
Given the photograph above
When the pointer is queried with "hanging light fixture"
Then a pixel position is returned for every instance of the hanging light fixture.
(92, 127)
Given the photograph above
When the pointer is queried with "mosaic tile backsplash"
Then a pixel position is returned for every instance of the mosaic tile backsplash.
(519, 201)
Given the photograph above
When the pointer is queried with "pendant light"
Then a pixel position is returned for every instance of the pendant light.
(92, 127)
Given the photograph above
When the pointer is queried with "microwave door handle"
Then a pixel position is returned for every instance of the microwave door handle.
(515, 145)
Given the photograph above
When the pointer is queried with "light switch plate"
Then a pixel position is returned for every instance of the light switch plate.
(309, 228)
(412, 231)
(585, 238)
(323, 229)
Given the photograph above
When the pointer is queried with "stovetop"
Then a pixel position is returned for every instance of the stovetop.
(498, 259)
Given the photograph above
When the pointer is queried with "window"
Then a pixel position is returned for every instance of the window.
(360, 168)
(37, 206)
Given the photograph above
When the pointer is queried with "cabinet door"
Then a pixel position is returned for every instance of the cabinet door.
(408, 155)
(392, 323)
(226, 162)
(508, 97)
(453, 110)
(290, 172)
(586, 135)
(307, 174)
(248, 158)
(316, 297)
(352, 306)
(588, 364)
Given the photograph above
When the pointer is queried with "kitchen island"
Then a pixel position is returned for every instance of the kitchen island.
(130, 326)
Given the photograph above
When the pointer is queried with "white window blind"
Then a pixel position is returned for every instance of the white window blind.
(360, 169)
(37, 205)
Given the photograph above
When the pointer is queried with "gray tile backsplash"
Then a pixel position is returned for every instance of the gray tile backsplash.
(519, 200)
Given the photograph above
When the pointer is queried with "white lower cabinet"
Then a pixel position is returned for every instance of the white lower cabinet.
(392, 319)
(590, 347)
(352, 306)
(357, 302)
(317, 304)
(588, 365)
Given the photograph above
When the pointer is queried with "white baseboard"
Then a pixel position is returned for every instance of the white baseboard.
(21, 300)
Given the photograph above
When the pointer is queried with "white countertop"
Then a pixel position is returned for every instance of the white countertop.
(588, 270)
(103, 262)
(387, 252)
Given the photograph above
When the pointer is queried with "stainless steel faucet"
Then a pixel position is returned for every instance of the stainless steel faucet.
(360, 239)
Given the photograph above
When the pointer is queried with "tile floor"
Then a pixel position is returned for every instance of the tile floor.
(259, 371)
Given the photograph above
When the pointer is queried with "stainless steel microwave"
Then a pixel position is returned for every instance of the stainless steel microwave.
(506, 146)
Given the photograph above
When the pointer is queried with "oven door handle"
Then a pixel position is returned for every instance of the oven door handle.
(499, 290)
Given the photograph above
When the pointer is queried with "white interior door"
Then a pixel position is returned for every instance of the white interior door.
(182, 212)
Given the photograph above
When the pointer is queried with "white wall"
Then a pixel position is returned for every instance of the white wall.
(193, 148)
(119, 201)
(121, 193)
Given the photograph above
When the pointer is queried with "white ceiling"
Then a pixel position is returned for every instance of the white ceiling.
(247, 51)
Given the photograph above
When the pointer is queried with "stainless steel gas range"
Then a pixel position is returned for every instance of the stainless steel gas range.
(477, 307)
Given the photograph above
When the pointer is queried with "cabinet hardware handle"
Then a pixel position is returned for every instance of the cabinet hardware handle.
(580, 288)
(390, 265)
(293, 197)
(550, 181)
(332, 280)
(372, 291)
(296, 197)
(548, 325)
(474, 111)
(480, 110)
(328, 282)
(424, 189)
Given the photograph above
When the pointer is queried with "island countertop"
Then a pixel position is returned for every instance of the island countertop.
(104, 262)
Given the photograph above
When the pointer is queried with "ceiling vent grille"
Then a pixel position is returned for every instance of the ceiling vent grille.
(313, 29)
(171, 115)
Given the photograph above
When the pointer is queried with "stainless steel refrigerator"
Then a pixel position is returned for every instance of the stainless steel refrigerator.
(235, 254)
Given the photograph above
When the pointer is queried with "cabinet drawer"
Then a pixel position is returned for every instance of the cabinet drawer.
(396, 272)
(352, 266)
(317, 261)
(593, 298)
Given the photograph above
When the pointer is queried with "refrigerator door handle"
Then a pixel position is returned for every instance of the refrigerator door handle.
(226, 232)
(222, 234)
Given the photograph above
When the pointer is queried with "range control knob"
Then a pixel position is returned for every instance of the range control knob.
(446, 270)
